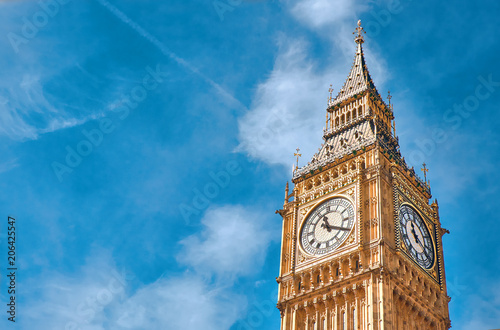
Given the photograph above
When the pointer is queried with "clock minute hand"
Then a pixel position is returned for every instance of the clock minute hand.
(340, 228)
(415, 236)
(423, 248)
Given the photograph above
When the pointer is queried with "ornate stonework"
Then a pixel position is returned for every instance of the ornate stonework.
(375, 256)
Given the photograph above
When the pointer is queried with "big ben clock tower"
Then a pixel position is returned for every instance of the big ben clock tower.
(361, 243)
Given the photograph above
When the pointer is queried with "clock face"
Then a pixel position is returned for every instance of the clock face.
(416, 236)
(327, 226)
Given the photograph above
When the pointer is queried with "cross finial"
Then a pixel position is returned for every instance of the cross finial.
(425, 170)
(330, 91)
(297, 155)
(389, 97)
(359, 37)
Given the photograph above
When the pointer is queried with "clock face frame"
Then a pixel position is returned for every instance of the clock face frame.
(416, 236)
(327, 226)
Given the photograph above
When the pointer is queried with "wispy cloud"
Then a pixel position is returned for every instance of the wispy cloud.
(482, 309)
(8, 165)
(227, 246)
(186, 302)
(288, 109)
(26, 112)
(102, 296)
(333, 17)
(169, 53)
(323, 13)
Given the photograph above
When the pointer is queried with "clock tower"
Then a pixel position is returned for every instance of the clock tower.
(361, 240)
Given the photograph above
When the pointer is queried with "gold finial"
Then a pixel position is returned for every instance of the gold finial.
(389, 97)
(425, 170)
(297, 155)
(330, 94)
(359, 37)
(286, 193)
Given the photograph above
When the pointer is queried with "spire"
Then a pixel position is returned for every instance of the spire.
(359, 38)
(359, 79)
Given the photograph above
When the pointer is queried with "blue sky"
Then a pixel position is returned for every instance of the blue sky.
(188, 114)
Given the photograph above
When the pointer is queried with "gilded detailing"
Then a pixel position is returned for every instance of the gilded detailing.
(360, 274)
(359, 79)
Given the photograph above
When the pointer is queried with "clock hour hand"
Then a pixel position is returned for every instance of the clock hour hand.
(326, 227)
(414, 233)
(325, 224)
(418, 241)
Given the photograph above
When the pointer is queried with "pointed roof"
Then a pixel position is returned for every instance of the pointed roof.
(359, 79)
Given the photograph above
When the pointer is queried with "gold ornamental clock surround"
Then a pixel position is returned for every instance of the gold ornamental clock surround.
(361, 239)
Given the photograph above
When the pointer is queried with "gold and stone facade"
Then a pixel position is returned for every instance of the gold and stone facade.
(361, 238)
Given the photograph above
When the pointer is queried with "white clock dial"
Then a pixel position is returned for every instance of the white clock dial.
(416, 237)
(327, 226)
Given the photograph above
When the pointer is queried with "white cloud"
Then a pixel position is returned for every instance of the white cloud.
(78, 301)
(333, 17)
(482, 307)
(26, 113)
(233, 243)
(8, 165)
(321, 13)
(99, 298)
(286, 109)
(289, 108)
(181, 303)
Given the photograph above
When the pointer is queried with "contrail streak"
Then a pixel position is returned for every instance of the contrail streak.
(167, 52)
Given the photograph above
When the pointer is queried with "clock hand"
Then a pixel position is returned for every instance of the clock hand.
(340, 228)
(414, 233)
(428, 256)
(329, 227)
(325, 219)
(325, 224)
(415, 236)
(326, 227)
(424, 251)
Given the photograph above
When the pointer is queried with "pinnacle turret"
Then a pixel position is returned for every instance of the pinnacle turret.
(359, 79)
